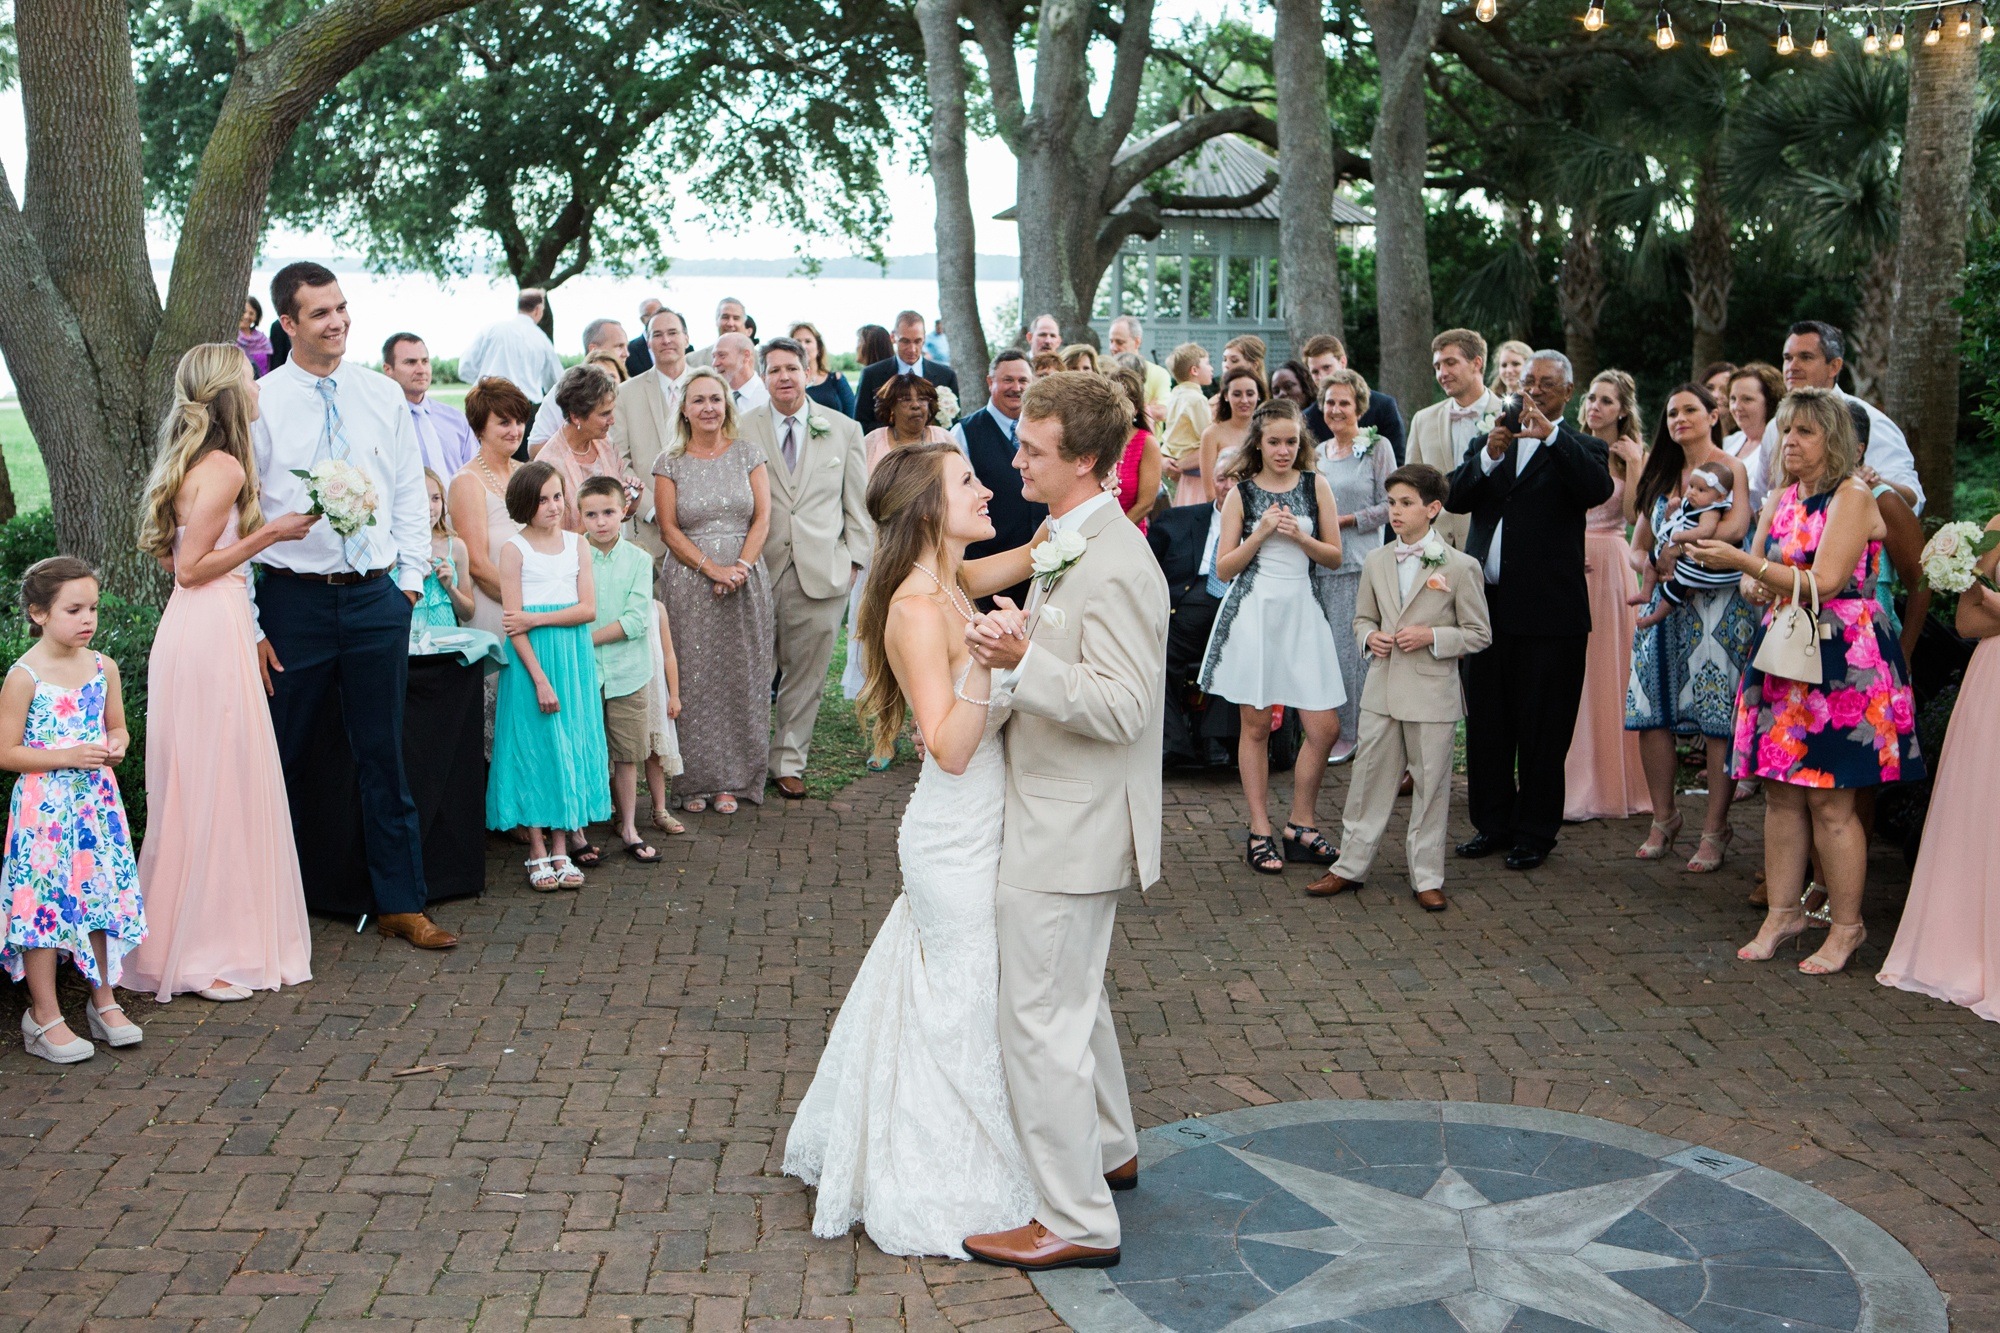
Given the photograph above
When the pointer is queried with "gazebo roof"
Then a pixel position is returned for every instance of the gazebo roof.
(1229, 165)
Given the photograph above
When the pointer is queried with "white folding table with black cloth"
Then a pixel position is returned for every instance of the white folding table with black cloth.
(444, 759)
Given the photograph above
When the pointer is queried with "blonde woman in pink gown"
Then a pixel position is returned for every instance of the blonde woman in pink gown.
(1602, 775)
(1948, 944)
(224, 903)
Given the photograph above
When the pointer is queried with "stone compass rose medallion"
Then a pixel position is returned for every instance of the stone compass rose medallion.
(1466, 1218)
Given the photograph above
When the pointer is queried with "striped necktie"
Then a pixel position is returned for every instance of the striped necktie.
(333, 444)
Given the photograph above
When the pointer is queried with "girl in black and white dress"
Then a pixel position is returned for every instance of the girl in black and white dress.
(1271, 644)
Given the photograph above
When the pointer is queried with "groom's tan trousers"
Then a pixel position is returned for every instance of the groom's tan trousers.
(1064, 1073)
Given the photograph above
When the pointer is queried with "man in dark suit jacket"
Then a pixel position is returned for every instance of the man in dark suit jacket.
(908, 360)
(638, 356)
(989, 438)
(1527, 491)
(1325, 354)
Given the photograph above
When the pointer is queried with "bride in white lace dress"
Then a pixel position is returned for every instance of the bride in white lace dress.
(906, 1127)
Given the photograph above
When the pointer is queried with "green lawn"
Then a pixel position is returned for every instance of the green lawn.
(24, 461)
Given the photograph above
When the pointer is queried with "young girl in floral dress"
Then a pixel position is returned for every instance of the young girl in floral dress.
(70, 880)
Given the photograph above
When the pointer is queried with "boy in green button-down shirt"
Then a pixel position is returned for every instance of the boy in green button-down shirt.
(624, 580)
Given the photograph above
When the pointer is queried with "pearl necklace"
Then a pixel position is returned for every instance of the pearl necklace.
(492, 483)
(955, 595)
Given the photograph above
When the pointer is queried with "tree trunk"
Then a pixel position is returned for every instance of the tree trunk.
(1582, 291)
(1308, 249)
(1711, 265)
(1404, 33)
(1868, 340)
(1930, 271)
(91, 350)
(957, 249)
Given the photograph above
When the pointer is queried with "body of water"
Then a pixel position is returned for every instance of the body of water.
(448, 315)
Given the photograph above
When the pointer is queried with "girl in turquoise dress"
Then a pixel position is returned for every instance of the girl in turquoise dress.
(551, 770)
(447, 595)
(71, 882)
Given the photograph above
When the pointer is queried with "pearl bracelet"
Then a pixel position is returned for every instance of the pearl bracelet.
(959, 690)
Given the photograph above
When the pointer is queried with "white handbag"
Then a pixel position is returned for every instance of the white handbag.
(1791, 645)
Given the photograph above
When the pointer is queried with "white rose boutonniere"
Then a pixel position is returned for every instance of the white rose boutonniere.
(817, 425)
(1432, 557)
(1053, 558)
(1367, 438)
(1487, 421)
(947, 408)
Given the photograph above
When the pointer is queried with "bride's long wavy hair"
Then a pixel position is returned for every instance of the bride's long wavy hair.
(906, 500)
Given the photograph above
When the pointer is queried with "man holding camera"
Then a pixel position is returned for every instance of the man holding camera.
(1527, 484)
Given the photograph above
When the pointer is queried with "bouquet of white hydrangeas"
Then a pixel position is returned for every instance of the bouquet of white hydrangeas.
(947, 408)
(343, 493)
(1952, 555)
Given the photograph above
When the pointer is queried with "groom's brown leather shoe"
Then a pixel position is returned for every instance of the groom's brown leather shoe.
(1034, 1248)
(1124, 1177)
(417, 928)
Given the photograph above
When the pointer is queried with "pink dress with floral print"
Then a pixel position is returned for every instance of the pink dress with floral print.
(70, 869)
(1858, 727)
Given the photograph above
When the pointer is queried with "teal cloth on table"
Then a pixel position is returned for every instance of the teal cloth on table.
(471, 646)
(624, 585)
(549, 768)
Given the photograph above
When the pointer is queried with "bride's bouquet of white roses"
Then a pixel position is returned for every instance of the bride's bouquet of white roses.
(1951, 557)
(947, 408)
(343, 493)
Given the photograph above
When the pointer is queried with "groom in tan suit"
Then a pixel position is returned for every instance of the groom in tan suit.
(1088, 670)
(820, 538)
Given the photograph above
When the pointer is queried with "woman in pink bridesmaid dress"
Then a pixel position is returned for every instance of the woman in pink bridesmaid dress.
(224, 901)
(1948, 944)
(1603, 776)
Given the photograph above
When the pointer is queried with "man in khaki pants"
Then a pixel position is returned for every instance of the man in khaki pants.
(820, 538)
(1088, 671)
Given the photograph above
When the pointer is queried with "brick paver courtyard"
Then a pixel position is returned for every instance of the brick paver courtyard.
(602, 1146)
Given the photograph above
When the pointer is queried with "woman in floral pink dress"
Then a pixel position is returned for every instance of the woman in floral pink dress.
(1815, 745)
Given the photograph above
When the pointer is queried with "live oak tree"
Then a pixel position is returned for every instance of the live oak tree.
(87, 338)
(543, 133)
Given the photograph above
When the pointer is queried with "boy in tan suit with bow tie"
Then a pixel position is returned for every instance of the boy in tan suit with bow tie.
(1421, 607)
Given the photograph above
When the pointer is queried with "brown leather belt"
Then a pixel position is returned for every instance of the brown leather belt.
(342, 580)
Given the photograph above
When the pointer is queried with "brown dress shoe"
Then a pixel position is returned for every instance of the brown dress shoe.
(1431, 900)
(791, 789)
(1329, 884)
(1034, 1248)
(1124, 1177)
(417, 928)
(1406, 786)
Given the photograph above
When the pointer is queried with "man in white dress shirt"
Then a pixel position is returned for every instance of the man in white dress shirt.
(515, 349)
(600, 337)
(443, 434)
(1814, 353)
(334, 613)
(730, 317)
(648, 406)
(1440, 432)
(820, 538)
(735, 359)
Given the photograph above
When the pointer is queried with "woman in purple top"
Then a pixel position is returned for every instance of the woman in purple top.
(252, 340)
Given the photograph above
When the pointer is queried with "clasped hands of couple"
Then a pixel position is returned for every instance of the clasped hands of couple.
(998, 640)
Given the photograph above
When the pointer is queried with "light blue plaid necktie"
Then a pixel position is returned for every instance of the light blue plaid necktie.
(333, 444)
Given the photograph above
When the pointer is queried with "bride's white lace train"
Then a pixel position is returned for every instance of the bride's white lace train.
(906, 1127)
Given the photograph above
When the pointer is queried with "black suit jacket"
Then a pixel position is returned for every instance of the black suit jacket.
(873, 378)
(1542, 592)
(638, 356)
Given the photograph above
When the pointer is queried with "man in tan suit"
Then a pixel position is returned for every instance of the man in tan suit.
(642, 424)
(820, 538)
(1088, 670)
(1422, 606)
(1439, 433)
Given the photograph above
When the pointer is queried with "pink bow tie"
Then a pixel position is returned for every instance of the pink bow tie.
(1405, 552)
(1465, 413)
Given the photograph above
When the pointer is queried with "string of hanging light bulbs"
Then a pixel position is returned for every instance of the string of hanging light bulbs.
(1873, 41)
